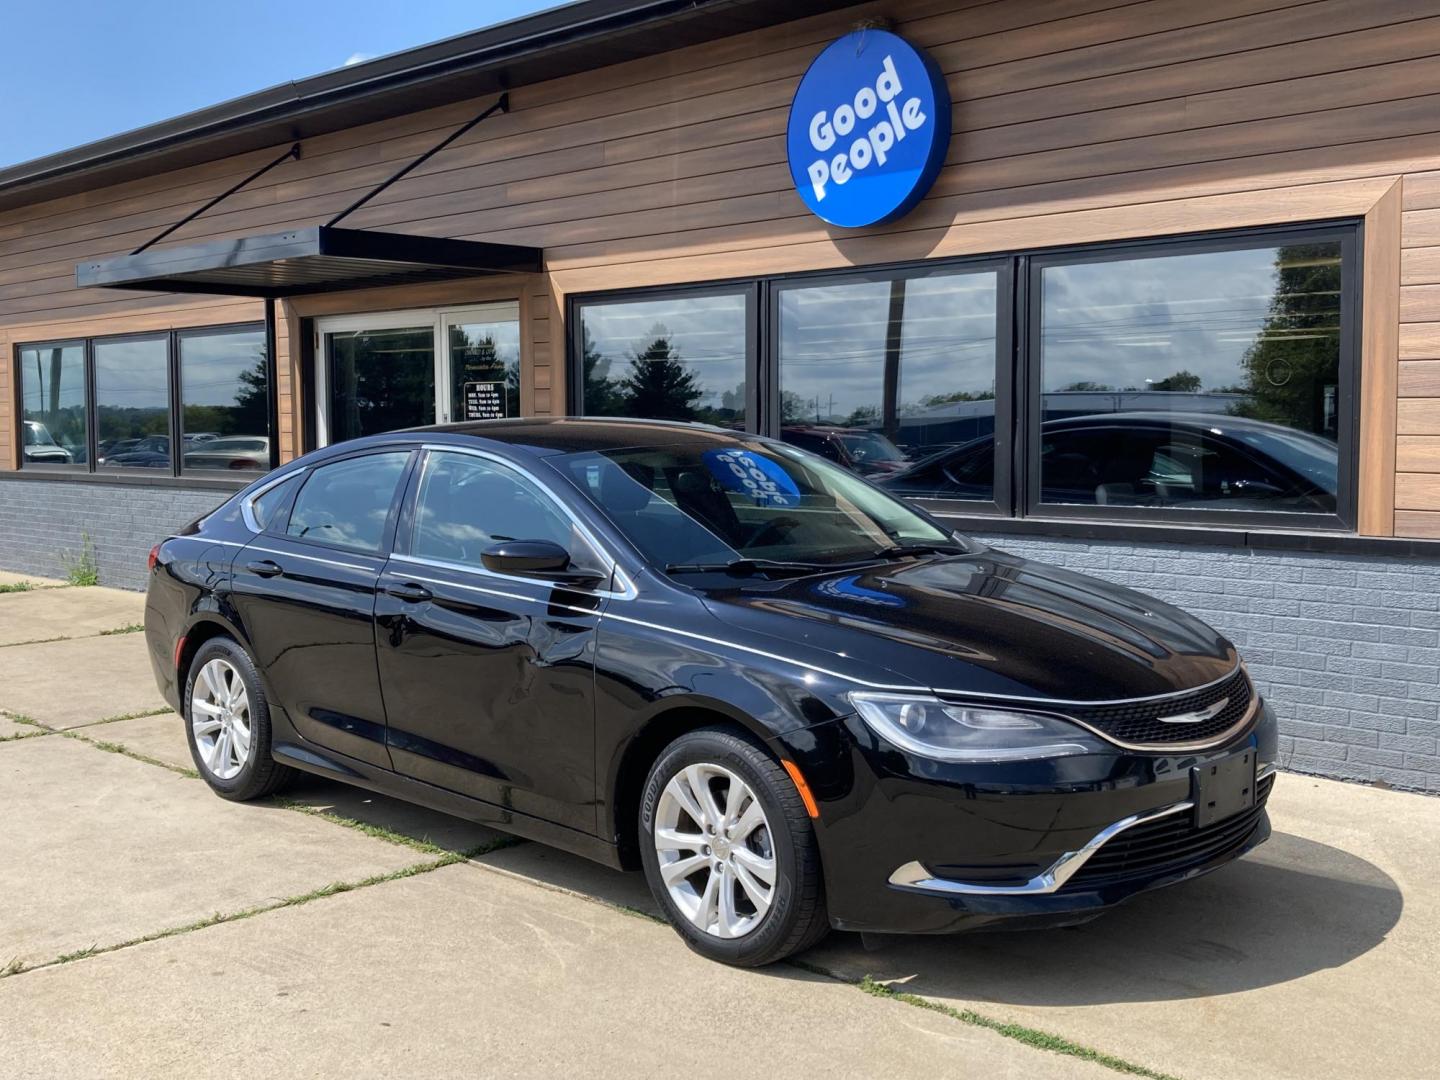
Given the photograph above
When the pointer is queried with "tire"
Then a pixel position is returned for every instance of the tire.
(745, 936)
(258, 774)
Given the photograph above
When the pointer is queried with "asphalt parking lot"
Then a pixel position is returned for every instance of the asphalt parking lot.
(148, 928)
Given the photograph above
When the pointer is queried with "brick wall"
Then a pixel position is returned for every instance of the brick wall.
(1346, 648)
(41, 521)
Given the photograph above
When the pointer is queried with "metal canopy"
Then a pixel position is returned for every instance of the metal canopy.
(320, 258)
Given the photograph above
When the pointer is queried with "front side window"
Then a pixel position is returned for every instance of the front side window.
(225, 403)
(712, 502)
(1201, 380)
(467, 503)
(132, 403)
(880, 376)
(680, 358)
(53, 410)
(347, 503)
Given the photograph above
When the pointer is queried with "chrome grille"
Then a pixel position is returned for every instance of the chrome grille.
(1139, 723)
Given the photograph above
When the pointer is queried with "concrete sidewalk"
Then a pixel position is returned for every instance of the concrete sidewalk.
(148, 928)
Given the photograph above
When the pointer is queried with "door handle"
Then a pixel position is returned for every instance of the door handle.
(409, 592)
(265, 568)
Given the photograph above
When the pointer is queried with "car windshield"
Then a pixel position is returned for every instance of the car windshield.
(723, 501)
(1309, 455)
(38, 435)
(868, 446)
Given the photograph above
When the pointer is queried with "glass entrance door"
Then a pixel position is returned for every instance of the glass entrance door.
(380, 379)
(404, 369)
(482, 347)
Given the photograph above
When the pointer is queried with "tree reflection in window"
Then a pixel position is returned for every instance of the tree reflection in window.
(673, 359)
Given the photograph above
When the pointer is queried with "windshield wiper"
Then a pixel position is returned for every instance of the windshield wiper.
(746, 567)
(899, 551)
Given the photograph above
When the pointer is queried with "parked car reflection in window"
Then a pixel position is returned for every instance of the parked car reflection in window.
(1152, 460)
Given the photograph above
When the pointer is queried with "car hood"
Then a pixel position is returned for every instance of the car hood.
(989, 623)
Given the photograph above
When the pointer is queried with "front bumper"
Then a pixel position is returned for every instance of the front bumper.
(912, 845)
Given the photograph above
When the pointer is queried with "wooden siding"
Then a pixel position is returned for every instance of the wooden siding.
(1075, 121)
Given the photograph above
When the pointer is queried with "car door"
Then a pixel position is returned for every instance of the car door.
(305, 592)
(488, 678)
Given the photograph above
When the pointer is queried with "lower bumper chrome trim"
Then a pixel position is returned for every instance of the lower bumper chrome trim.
(913, 876)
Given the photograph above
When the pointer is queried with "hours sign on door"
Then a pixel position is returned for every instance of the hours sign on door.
(484, 401)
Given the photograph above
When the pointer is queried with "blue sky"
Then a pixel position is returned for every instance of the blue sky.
(78, 70)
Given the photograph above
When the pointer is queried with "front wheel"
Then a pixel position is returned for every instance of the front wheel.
(729, 851)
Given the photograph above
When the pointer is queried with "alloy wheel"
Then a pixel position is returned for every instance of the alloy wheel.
(220, 719)
(715, 849)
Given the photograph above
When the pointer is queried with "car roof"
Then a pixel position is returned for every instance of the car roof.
(543, 436)
(1162, 417)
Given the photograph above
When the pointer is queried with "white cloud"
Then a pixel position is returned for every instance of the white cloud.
(359, 58)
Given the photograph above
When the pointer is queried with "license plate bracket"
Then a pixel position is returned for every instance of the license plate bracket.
(1223, 787)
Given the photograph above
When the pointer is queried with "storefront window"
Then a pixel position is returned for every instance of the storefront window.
(1208, 380)
(888, 377)
(678, 358)
(225, 406)
(53, 417)
(132, 403)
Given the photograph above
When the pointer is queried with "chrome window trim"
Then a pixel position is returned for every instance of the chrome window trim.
(319, 559)
(247, 510)
(624, 579)
(481, 571)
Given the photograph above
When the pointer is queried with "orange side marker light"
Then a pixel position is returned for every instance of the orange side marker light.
(802, 787)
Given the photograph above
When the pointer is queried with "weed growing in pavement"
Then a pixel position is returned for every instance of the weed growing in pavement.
(81, 569)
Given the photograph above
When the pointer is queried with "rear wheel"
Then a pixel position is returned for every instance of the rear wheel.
(227, 721)
(729, 851)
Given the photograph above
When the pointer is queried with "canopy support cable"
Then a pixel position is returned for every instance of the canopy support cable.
(502, 105)
(293, 152)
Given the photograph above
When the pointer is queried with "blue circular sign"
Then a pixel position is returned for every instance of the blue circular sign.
(868, 129)
(750, 474)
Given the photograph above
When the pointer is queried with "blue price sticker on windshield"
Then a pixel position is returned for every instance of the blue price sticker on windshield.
(750, 474)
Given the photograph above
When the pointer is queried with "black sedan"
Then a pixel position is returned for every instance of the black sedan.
(795, 701)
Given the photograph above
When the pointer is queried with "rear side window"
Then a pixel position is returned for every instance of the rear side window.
(265, 506)
(346, 503)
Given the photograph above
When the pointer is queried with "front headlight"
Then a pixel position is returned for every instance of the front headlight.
(937, 729)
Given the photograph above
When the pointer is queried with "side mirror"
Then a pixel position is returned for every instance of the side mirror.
(533, 558)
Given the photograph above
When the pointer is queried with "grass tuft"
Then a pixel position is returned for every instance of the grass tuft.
(1040, 1040)
(142, 714)
(381, 832)
(16, 967)
(21, 718)
(125, 751)
(81, 569)
(17, 586)
(132, 628)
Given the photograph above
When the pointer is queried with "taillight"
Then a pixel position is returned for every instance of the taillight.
(154, 557)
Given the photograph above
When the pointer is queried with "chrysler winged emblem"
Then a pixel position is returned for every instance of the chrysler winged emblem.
(1198, 716)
